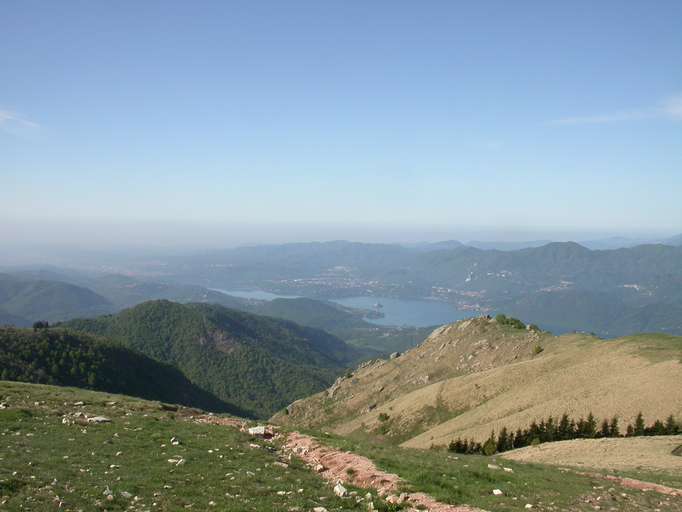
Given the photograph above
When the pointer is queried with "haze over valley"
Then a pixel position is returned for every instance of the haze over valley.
(341, 256)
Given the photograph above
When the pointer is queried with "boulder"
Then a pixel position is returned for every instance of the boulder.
(340, 490)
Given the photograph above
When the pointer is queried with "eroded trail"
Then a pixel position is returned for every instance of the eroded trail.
(336, 465)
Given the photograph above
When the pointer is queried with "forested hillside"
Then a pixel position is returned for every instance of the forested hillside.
(61, 357)
(23, 300)
(256, 362)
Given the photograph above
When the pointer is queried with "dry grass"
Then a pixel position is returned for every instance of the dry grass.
(623, 454)
(474, 376)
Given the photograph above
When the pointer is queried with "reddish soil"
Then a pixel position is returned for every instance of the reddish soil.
(334, 465)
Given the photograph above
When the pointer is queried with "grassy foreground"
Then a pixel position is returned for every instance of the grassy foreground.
(46, 465)
(468, 479)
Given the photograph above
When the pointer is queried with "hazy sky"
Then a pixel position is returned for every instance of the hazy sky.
(399, 115)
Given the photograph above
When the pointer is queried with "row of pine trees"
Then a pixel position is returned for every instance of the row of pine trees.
(551, 429)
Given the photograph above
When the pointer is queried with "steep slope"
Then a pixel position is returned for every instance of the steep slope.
(476, 375)
(66, 358)
(33, 299)
(256, 362)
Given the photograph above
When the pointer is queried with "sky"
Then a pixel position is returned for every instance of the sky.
(219, 123)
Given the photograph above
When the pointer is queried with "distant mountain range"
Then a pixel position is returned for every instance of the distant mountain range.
(561, 286)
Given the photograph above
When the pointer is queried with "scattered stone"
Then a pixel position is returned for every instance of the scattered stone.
(493, 466)
(257, 431)
(497, 492)
(528, 506)
(126, 495)
(98, 419)
(508, 470)
(175, 441)
(340, 490)
(395, 355)
(320, 509)
(319, 468)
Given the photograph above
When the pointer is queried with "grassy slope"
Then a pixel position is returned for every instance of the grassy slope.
(483, 376)
(459, 479)
(43, 461)
(646, 458)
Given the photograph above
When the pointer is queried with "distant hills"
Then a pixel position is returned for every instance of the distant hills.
(55, 356)
(25, 300)
(561, 286)
(477, 375)
(257, 363)
(598, 290)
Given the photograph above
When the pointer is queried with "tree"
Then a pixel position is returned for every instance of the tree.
(565, 427)
(504, 442)
(590, 426)
(657, 429)
(614, 430)
(639, 425)
(41, 324)
(604, 430)
(671, 426)
(490, 446)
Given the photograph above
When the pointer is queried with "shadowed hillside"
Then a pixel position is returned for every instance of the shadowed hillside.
(256, 362)
(56, 356)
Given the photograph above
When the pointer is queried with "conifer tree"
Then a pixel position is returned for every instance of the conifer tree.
(590, 426)
(671, 426)
(604, 430)
(639, 425)
(564, 427)
(614, 430)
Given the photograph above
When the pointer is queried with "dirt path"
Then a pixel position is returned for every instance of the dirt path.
(346, 467)
(336, 465)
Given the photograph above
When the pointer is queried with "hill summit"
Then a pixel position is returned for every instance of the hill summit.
(484, 373)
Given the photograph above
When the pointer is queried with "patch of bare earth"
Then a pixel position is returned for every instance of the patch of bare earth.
(339, 466)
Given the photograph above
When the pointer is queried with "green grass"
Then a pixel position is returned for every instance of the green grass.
(43, 461)
(657, 347)
(659, 477)
(462, 479)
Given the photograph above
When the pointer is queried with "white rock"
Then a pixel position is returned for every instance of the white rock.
(340, 490)
(497, 492)
(528, 505)
(99, 419)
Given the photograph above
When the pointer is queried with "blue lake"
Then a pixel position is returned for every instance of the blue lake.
(417, 313)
